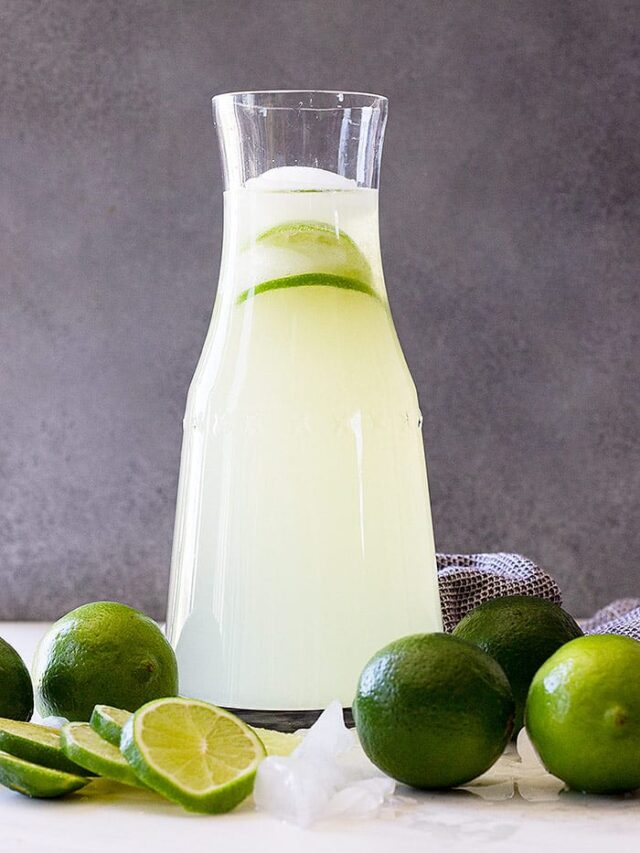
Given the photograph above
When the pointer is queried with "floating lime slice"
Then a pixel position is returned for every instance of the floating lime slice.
(32, 780)
(313, 279)
(85, 746)
(278, 743)
(37, 744)
(108, 722)
(327, 246)
(302, 253)
(193, 753)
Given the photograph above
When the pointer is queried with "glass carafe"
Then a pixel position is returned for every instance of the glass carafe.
(303, 539)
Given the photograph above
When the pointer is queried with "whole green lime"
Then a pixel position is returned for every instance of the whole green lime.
(433, 711)
(583, 714)
(520, 632)
(102, 653)
(16, 690)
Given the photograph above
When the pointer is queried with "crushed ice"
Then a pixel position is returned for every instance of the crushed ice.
(328, 775)
(288, 178)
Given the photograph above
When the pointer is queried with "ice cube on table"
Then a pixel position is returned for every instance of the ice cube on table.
(542, 788)
(328, 775)
(526, 751)
(291, 178)
(362, 799)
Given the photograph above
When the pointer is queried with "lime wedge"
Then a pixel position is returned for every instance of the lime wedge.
(108, 722)
(85, 746)
(278, 743)
(329, 248)
(32, 780)
(193, 753)
(311, 279)
(313, 238)
(38, 744)
(306, 253)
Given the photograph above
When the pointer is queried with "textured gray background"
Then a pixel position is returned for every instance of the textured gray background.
(510, 214)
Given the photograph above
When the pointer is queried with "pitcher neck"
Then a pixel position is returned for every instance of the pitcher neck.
(301, 175)
(340, 132)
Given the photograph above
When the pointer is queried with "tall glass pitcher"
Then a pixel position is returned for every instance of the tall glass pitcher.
(303, 538)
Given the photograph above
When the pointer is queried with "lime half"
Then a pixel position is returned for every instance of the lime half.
(325, 246)
(312, 279)
(305, 253)
(193, 753)
(35, 781)
(85, 746)
(39, 744)
(108, 722)
(278, 743)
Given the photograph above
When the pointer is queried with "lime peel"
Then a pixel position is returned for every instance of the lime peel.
(312, 279)
(83, 744)
(108, 722)
(38, 745)
(33, 780)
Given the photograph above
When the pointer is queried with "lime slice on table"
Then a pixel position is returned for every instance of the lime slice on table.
(278, 743)
(32, 780)
(193, 753)
(37, 744)
(108, 722)
(85, 746)
(308, 254)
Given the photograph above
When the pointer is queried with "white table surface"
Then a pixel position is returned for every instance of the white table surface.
(108, 818)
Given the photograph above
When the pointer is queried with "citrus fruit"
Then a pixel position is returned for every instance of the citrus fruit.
(193, 753)
(278, 743)
(319, 279)
(38, 744)
(16, 690)
(35, 781)
(520, 632)
(85, 746)
(583, 713)
(108, 722)
(305, 253)
(322, 244)
(102, 653)
(433, 711)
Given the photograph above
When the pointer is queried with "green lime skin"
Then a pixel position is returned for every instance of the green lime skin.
(84, 745)
(38, 745)
(35, 781)
(313, 279)
(108, 722)
(520, 632)
(102, 653)
(16, 690)
(321, 243)
(168, 752)
(433, 711)
(583, 714)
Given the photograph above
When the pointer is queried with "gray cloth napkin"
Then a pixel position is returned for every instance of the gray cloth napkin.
(467, 580)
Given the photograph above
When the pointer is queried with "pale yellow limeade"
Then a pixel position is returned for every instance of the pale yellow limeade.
(303, 530)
